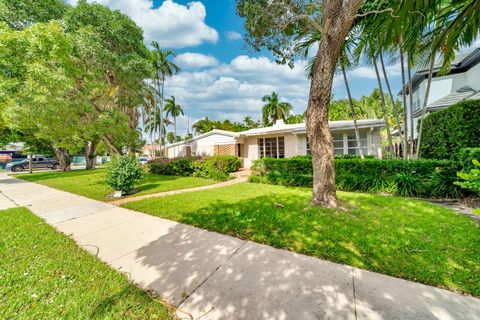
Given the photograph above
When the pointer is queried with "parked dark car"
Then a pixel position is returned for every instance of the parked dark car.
(38, 162)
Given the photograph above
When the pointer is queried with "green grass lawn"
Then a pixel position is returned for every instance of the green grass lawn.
(402, 237)
(92, 183)
(45, 275)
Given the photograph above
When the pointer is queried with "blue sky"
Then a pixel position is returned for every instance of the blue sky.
(221, 77)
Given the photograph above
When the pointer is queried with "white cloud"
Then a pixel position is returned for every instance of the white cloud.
(173, 25)
(234, 90)
(233, 35)
(195, 60)
(368, 72)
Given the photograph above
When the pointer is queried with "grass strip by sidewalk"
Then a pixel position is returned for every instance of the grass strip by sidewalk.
(401, 237)
(45, 275)
(92, 183)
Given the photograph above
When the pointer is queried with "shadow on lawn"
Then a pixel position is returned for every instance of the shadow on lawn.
(405, 239)
(222, 277)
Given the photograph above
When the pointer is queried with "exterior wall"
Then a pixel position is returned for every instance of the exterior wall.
(473, 77)
(296, 144)
(441, 87)
(201, 147)
(225, 149)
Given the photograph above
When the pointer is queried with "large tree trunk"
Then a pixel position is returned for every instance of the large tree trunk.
(30, 163)
(354, 116)
(316, 118)
(384, 105)
(392, 101)
(90, 152)
(338, 17)
(64, 159)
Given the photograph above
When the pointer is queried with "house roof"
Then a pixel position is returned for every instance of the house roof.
(281, 127)
(204, 135)
(465, 93)
(461, 63)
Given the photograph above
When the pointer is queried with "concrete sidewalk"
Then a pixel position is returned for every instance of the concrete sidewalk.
(213, 276)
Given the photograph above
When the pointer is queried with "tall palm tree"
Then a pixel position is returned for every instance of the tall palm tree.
(274, 109)
(175, 110)
(164, 68)
(203, 125)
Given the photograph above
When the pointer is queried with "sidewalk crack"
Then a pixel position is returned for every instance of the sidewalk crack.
(13, 201)
(211, 274)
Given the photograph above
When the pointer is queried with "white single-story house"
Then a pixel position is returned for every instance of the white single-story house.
(279, 141)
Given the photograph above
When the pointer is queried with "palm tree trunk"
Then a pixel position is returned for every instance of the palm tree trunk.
(160, 110)
(404, 98)
(174, 136)
(354, 116)
(161, 116)
(425, 104)
(152, 144)
(410, 97)
(384, 105)
(392, 101)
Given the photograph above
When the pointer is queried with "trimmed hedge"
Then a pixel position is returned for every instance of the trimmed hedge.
(214, 167)
(445, 132)
(426, 178)
(172, 167)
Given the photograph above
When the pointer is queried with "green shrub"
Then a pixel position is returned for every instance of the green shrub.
(471, 179)
(447, 131)
(407, 184)
(172, 167)
(466, 156)
(216, 167)
(370, 175)
(442, 184)
(124, 172)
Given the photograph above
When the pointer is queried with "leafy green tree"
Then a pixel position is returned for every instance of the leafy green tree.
(35, 91)
(20, 14)
(114, 62)
(250, 123)
(274, 110)
(294, 118)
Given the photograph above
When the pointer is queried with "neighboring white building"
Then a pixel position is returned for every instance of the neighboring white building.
(279, 141)
(461, 83)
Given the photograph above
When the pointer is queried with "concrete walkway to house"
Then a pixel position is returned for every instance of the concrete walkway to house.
(213, 276)
(236, 180)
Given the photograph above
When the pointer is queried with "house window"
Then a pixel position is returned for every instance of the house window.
(338, 144)
(346, 144)
(271, 147)
(352, 144)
